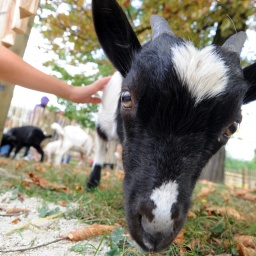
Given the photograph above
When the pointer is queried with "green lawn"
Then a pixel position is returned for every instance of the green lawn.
(208, 231)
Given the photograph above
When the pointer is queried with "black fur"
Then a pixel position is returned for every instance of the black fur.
(101, 133)
(166, 135)
(95, 176)
(25, 136)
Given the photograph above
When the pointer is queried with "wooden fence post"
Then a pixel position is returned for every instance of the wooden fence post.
(243, 177)
(17, 44)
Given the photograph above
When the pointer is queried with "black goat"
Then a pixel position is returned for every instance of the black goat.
(25, 136)
(175, 107)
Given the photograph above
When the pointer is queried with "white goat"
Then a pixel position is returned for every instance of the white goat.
(51, 148)
(72, 138)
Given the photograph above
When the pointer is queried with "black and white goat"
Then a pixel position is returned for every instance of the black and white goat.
(178, 105)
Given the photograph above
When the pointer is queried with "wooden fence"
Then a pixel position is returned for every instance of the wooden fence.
(18, 116)
(241, 178)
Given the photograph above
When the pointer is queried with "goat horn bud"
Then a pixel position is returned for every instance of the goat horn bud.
(159, 26)
(235, 43)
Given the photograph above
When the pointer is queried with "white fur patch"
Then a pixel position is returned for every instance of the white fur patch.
(202, 71)
(107, 111)
(164, 197)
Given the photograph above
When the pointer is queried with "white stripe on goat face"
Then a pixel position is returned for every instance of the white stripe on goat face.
(163, 197)
(203, 71)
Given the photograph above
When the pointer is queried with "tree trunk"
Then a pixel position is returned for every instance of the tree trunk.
(20, 43)
(214, 170)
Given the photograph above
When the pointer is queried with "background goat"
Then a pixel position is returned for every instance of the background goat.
(51, 148)
(72, 138)
(25, 136)
(178, 106)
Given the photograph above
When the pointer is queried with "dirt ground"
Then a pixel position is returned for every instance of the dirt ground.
(38, 231)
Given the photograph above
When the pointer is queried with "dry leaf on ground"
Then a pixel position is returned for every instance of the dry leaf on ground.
(180, 239)
(63, 203)
(250, 197)
(48, 164)
(207, 182)
(19, 165)
(205, 191)
(195, 243)
(88, 232)
(44, 183)
(20, 197)
(223, 211)
(3, 161)
(17, 210)
(106, 175)
(15, 221)
(244, 194)
(246, 245)
(120, 175)
(39, 168)
(191, 215)
(79, 188)
(240, 192)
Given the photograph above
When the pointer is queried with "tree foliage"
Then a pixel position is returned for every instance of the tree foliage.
(69, 28)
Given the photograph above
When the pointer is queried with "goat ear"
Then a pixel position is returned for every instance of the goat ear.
(250, 78)
(115, 33)
(235, 43)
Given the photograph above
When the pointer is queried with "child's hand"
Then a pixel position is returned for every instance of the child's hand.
(85, 94)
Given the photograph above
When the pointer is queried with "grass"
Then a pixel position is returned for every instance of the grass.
(204, 234)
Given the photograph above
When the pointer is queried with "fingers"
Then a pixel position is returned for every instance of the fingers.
(100, 84)
(94, 100)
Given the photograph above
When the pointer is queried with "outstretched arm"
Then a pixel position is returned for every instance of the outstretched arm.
(16, 71)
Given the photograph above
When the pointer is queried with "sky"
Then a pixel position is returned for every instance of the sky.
(240, 146)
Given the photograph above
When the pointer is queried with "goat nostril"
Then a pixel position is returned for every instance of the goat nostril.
(146, 209)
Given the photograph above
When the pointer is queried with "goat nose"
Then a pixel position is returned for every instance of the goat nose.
(153, 239)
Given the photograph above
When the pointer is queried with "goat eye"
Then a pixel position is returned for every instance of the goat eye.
(126, 99)
(230, 130)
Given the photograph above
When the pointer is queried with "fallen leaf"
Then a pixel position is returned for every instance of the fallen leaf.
(20, 197)
(224, 254)
(19, 165)
(78, 187)
(195, 244)
(39, 168)
(244, 251)
(104, 187)
(44, 183)
(207, 182)
(15, 221)
(180, 239)
(248, 241)
(88, 232)
(48, 164)
(17, 210)
(205, 191)
(246, 245)
(7, 183)
(223, 211)
(62, 203)
(26, 183)
(120, 175)
(183, 251)
(249, 197)
(191, 215)
(106, 175)
(3, 161)
(240, 192)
